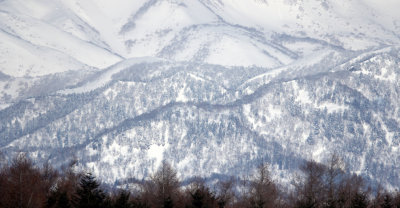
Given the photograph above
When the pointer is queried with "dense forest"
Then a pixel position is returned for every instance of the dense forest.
(24, 185)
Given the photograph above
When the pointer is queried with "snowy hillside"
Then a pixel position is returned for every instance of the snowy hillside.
(215, 84)
(55, 36)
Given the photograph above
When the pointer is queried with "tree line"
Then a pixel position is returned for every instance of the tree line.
(24, 185)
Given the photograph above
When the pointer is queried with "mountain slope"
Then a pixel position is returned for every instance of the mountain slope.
(161, 110)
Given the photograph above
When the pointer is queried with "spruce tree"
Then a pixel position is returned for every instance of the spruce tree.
(197, 199)
(387, 201)
(89, 195)
(359, 201)
(58, 199)
(168, 203)
(122, 200)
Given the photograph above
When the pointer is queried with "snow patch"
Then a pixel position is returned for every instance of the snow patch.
(156, 152)
(333, 107)
(303, 97)
(181, 95)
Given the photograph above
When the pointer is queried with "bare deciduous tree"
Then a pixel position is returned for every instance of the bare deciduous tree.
(334, 172)
(225, 192)
(22, 185)
(263, 192)
(310, 192)
(163, 188)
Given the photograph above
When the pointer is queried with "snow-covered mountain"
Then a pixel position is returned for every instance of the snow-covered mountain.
(214, 86)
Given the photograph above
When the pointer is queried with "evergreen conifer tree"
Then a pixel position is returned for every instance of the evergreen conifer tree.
(89, 195)
(122, 200)
(359, 201)
(387, 201)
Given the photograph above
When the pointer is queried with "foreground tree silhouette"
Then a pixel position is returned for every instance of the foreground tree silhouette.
(89, 195)
(163, 188)
(263, 192)
(58, 199)
(396, 200)
(122, 200)
(22, 185)
(200, 195)
(334, 174)
(225, 192)
(350, 191)
(63, 194)
(359, 200)
(387, 201)
(310, 192)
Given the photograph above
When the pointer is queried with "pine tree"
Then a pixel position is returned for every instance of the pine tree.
(387, 201)
(122, 200)
(58, 199)
(168, 203)
(89, 195)
(197, 199)
(396, 200)
(200, 195)
(359, 201)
